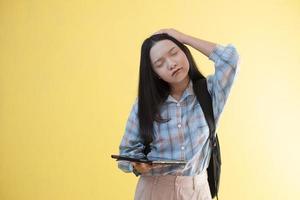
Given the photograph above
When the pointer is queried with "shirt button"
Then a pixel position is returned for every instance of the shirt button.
(179, 125)
(178, 104)
(182, 147)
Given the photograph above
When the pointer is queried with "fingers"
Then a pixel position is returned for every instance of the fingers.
(160, 31)
(172, 32)
(140, 165)
(143, 167)
(156, 166)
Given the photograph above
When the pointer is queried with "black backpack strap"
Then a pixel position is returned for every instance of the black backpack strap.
(214, 169)
(205, 100)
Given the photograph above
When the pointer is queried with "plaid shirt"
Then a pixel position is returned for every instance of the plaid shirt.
(186, 135)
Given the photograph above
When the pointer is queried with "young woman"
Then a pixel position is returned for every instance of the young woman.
(167, 115)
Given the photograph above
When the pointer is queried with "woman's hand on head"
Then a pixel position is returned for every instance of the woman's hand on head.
(144, 168)
(174, 33)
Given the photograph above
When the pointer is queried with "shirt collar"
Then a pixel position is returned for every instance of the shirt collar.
(187, 92)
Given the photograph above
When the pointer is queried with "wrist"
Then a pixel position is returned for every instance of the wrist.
(185, 39)
(135, 171)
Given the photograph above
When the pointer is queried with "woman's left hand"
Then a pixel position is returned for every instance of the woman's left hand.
(174, 33)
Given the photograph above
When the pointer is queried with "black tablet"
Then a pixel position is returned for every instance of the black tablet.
(149, 161)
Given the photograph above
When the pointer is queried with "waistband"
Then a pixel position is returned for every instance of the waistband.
(179, 180)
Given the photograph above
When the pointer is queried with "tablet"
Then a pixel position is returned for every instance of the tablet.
(149, 161)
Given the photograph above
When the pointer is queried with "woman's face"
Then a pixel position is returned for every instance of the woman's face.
(166, 59)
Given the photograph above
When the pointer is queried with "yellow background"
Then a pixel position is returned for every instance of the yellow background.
(69, 75)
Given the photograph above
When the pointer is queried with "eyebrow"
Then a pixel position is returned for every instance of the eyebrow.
(168, 51)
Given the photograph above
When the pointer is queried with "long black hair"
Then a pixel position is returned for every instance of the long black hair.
(152, 91)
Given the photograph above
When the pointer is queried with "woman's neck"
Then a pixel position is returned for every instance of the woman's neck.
(178, 89)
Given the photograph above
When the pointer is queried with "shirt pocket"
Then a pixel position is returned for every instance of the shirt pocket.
(165, 138)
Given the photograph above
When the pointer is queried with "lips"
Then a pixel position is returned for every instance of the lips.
(176, 71)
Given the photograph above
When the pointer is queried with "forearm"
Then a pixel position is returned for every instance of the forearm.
(203, 46)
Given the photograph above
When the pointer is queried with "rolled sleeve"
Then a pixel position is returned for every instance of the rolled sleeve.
(226, 61)
(132, 142)
(125, 166)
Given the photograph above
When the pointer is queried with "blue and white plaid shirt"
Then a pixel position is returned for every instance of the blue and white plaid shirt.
(186, 135)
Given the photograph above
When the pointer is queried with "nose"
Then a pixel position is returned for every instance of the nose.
(171, 64)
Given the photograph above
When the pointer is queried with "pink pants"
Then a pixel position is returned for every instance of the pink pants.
(170, 187)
